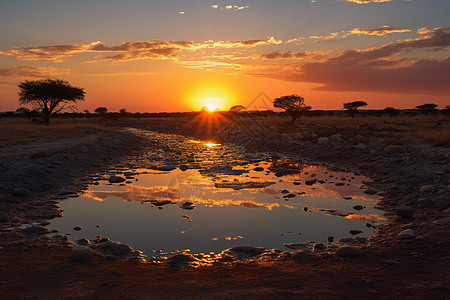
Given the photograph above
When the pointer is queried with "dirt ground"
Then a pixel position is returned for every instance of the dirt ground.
(416, 268)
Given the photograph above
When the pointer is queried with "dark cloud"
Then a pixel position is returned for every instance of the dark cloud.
(30, 71)
(377, 69)
(278, 55)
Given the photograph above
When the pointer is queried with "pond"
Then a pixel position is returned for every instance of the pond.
(268, 203)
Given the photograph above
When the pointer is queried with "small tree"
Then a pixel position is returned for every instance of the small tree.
(391, 111)
(24, 112)
(101, 110)
(236, 108)
(426, 108)
(50, 95)
(294, 105)
(352, 107)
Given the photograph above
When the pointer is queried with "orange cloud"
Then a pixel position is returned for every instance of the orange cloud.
(30, 71)
(382, 30)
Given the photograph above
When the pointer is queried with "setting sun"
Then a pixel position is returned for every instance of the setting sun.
(211, 107)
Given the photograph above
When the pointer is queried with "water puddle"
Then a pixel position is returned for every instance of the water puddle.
(268, 203)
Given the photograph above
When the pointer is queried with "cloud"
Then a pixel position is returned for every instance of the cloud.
(366, 1)
(333, 36)
(30, 71)
(127, 50)
(378, 69)
(181, 12)
(382, 30)
(230, 7)
(294, 55)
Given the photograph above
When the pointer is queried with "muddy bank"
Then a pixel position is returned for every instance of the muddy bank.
(413, 181)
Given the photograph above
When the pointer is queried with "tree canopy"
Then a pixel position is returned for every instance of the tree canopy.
(236, 108)
(49, 95)
(101, 110)
(352, 107)
(294, 105)
(427, 107)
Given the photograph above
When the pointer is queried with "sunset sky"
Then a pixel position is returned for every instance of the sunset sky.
(179, 55)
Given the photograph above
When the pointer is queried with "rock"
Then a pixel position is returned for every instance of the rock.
(258, 169)
(20, 192)
(370, 191)
(243, 185)
(323, 140)
(285, 192)
(441, 202)
(330, 239)
(83, 242)
(81, 253)
(77, 228)
(358, 207)
(116, 179)
(304, 257)
(38, 154)
(361, 146)
(310, 181)
(355, 231)
(319, 247)
(395, 265)
(114, 248)
(424, 202)
(160, 203)
(407, 234)
(245, 251)
(183, 168)
(348, 251)
(335, 138)
(426, 189)
(339, 184)
(166, 168)
(289, 196)
(36, 230)
(404, 211)
(442, 221)
(180, 261)
(187, 205)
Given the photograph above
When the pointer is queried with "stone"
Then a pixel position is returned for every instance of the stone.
(404, 211)
(319, 247)
(426, 189)
(114, 248)
(348, 251)
(159, 203)
(116, 179)
(187, 205)
(245, 251)
(407, 234)
(339, 184)
(358, 207)
(442, 221)
(323, 140)
(183, 168)
(370, 191)
(258, 169)
(442, 202)
(180, 261)
(77, 228)
(20, 192)
(355, 231)
(335, 137)
(83, 242)
(285, 192)
(310, 181)
(361, 146)
(81, 253)
(304, 257)
(330, 239)
(36, 230)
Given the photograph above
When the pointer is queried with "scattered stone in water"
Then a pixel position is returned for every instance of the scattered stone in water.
(183, 168)
(289, 196)
(258, 169)
(339, 184)
(159, 203)
(297, 183)
(187, 205)
(368, 225)
(244, 251)
(180, 261)
(242, 185)
(186, 217)
(348, 198)
(370, 191)
(310, 181)
(330, 239)
(319, 247)
(77, 228)
(285, 192)
(305, 208)
(36, 230)
(83, 242)
(335, 212)
(304, 257)
(358, 207)
(355, 231)
(116, 179)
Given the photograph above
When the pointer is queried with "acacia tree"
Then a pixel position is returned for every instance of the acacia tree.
(294, 105)
(352, 107)
(49, 95)
(426, 108)
(391, 111)
(236, 108)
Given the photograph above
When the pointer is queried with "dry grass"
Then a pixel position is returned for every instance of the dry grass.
(21, 131)
(436, 136)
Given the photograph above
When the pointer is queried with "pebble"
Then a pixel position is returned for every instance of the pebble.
(404, 211)
(355, 231)
(370, 191)
(81, 253)
(429, 188)
(358, 207)
(116, 179)
(310, 181)
(78, 228)
(407, 234)
(348, 251)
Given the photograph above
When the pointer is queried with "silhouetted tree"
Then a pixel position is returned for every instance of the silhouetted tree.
(49, 95)
(426, 108)
(101, 110)
(352, 107)
(446, 110)
(391, 111)
(294, 105)
(24, 112)
(236, 108)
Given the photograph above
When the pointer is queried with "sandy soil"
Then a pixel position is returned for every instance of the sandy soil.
(33, 265)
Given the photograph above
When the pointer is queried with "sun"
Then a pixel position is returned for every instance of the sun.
(211, 107)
